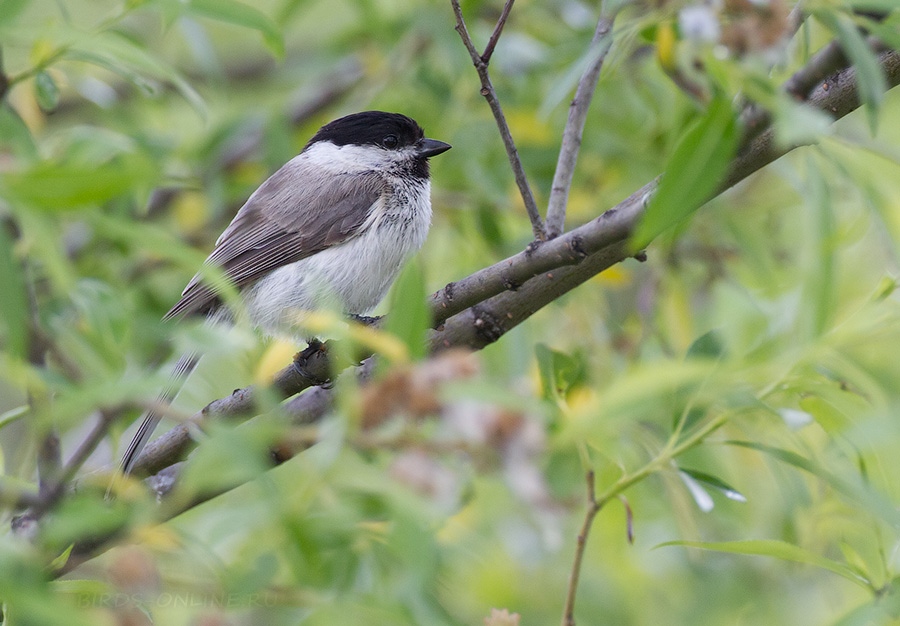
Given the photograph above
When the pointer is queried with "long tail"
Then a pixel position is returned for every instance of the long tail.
(183, 369)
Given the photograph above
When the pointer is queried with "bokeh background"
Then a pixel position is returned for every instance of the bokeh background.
(131, 133)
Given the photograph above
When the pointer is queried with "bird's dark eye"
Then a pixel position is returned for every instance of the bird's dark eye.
(390, 141)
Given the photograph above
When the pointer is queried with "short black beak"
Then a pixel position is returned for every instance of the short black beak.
(431, 147)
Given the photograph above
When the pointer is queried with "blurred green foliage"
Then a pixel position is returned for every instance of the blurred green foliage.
(131, 132)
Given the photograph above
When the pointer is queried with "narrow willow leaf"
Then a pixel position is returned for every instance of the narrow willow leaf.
(715, 482)
(694, 171)
(822, 285)
(60, 187)
(133, 62)
(701, 497)
(241, 15)
(46, 92)
(409, 319)
(776, 549)
(13, 415)
(16, 136)
(544, 356)
(855, 491)
(559, 371)
(708, 345)
(869, 75)
(62, 559)
(884, 608)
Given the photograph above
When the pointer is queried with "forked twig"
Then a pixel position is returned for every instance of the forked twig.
(487, 90)
(492, 42)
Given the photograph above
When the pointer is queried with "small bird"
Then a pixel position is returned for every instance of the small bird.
(330, 229)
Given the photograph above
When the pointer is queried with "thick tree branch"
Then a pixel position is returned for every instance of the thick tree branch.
(484, 306)
(823, 64)
(490, 319)
(487, 90)
(175, 444)
(571, 141)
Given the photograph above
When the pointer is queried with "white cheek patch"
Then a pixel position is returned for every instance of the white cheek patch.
(352, 158)
(348, 158)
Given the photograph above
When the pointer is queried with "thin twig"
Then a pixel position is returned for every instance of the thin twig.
(4, 79)
(49, 461)
(50, 497)
(568, 618)
(571, 141)
(495, 36)
(487, 90)
(596, 503)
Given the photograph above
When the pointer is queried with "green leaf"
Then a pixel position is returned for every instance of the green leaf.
(10, 9)
(870, 5)
(46, 92)
(13, 303)
(706, 346)
(241, 15)
(62, 559)
(15, 133)
(855, 491)
(409, 318)
(13, 415)
(888, 34)
(701, 497)
(776, 549)
(884, 608)
(869, 75)
(716, 483)
(823, 285)
(559, 371)
(693, 173)
(131, 61)
(59, 187)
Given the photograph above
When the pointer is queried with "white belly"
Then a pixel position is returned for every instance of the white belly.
(352, 277)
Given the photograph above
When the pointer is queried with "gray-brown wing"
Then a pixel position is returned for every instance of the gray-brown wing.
(290, 217)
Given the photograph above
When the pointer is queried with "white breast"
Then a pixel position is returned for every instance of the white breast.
(352, 277)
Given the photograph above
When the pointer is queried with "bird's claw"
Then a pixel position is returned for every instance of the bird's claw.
(301, 358)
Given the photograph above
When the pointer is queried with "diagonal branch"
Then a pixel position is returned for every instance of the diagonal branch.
(571, 141)
(824, 63)
(484, 323)
(495, 36)
(491, 318)
(481, 308)
(54, 492)
(487, 90)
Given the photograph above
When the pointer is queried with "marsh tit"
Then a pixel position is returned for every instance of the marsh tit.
(331, 228)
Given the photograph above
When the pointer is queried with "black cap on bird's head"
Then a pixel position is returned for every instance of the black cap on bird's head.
(391, 131)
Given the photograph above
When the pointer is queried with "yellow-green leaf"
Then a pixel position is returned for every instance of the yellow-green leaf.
(693, 173)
